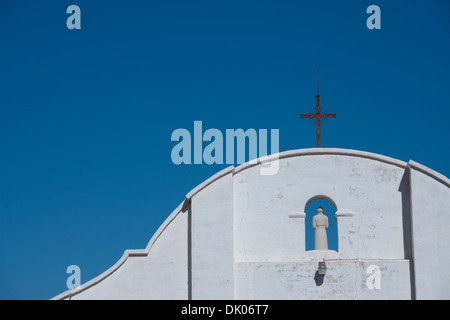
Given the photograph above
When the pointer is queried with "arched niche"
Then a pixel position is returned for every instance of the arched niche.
(330, 209)
(323, 197)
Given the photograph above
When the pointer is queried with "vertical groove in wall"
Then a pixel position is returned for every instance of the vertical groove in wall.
(405, 189)
(232, 237)
(411, 262)
(189, 252)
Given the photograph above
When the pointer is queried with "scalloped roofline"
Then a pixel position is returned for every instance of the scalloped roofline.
(235, 170)
(128, 253)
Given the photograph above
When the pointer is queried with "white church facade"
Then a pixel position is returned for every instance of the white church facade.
(241, 235)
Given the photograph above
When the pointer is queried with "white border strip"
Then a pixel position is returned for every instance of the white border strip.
(207, 182)
(321, 151)
(433, 174)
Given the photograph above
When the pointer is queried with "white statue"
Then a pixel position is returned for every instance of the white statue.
(320, 225)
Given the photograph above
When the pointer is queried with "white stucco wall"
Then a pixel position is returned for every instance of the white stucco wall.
(366, 193)
(430, 202)
(241, 235)
(212, 241)
(345, 279)
(269, 231)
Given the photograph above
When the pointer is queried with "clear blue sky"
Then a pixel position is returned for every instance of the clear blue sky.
(86, 115)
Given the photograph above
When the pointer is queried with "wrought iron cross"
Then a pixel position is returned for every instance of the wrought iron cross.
(318, 115)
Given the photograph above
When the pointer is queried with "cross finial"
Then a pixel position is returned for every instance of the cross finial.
(318, 115)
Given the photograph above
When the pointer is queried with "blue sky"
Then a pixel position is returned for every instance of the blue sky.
(86, 115)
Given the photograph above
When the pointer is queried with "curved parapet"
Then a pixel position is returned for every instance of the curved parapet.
(109, 284)
(241, 234)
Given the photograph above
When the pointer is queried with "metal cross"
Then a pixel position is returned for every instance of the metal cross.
(318, 115)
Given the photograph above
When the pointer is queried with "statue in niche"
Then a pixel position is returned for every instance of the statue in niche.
(320, 225)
